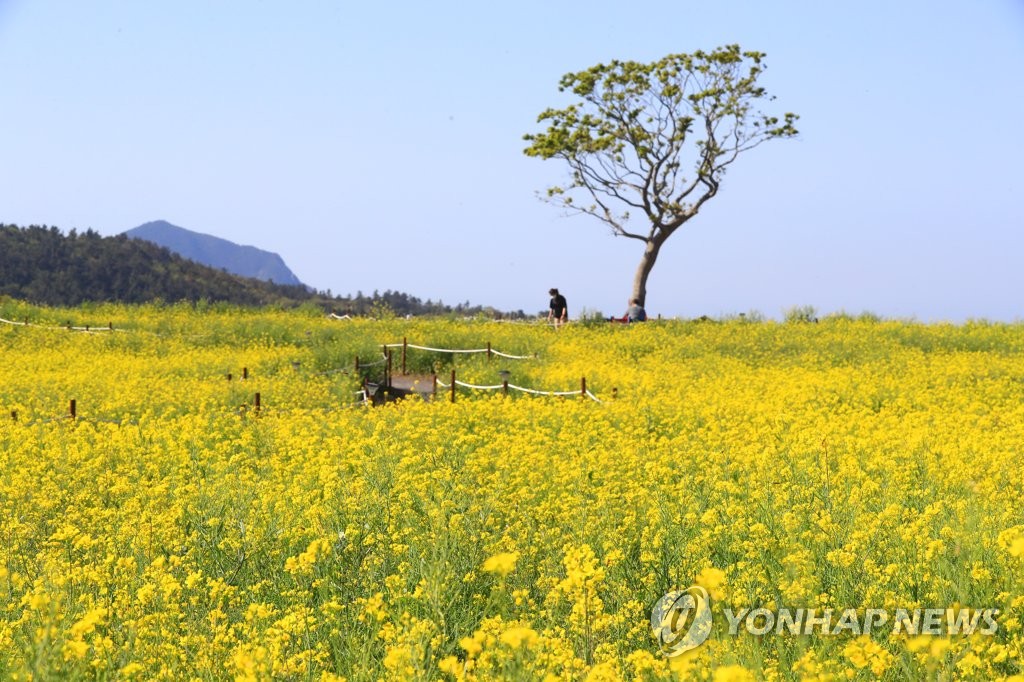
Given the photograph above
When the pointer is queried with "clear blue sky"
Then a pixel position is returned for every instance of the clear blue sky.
(379, 146)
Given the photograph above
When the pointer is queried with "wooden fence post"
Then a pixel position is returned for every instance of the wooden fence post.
(245, 372)
(488, 350)
(257, 403)
(453, 385)
(583, 387)
(73, 409)
(405, 345)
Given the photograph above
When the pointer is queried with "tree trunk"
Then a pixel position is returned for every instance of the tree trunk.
(643, 271)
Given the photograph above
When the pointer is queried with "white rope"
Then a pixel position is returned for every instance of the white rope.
(513, 357)
(339, 317)
(554, 393)
(523, 389)
(536, 392)
(90, 330)
(436, 350)
(460, 350)
(479, 388)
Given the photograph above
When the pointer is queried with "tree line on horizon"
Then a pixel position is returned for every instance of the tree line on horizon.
(42, 265)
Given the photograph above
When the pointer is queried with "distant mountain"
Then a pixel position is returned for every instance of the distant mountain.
(246, 261)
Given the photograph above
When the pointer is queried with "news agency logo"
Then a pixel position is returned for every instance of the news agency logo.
(681, 620)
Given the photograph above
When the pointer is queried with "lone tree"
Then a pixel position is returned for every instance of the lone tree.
(655, 139)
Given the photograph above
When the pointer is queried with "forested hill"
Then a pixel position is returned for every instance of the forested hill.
(43, 265)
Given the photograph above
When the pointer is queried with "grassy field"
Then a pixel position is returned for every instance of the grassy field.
(171, 531)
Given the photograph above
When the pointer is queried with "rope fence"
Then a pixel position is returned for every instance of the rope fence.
(489, 350)
(257, 406)
(505, 386)
(364, 395)
(87, 328)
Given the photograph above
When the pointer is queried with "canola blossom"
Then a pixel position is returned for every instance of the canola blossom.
(173, 531)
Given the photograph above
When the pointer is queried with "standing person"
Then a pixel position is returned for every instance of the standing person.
(636, 312)
(559, 309)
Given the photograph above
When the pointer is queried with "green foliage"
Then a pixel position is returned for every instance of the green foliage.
(750, 317)
(629, 139)
(380, 310)
(865, 316)
(655, 139)
(801, 313)
(402, 304)
(754, 316)
(592, 318)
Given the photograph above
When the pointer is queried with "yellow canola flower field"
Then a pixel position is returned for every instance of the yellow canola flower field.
(172, 531)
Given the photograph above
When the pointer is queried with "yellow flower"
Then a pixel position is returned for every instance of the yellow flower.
(938, 647)
(919, 643)
(452, 666)
(398, 658)
(519, 636)
(712, 579)
(304, 562)
(681, 665)
(75, 649)
(501, 564)
(471, 646)
(88, 622)
(969, 664)
(864, 652)
(327, 676)
(733, 673)
(603, 672)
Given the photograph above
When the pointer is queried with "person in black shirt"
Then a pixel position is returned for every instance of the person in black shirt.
(559, 311)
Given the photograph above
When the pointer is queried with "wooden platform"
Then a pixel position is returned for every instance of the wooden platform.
(402, 386)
